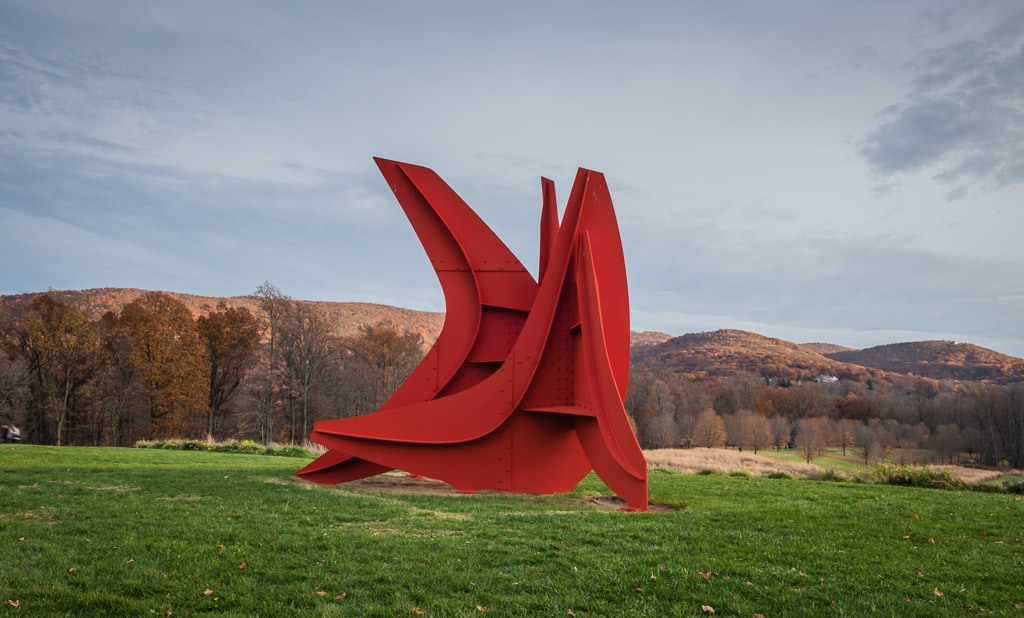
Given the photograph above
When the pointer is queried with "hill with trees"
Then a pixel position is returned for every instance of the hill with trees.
(347, 318)
(112, 366)
(940, 360)
(726, 353)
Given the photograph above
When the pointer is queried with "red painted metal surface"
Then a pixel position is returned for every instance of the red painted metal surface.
(523, 389)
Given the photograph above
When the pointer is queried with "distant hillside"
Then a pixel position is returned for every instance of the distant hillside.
(826, 348)
(718, 354)
(349, 316)
(724, 353)
(941, 360)
(641, 339)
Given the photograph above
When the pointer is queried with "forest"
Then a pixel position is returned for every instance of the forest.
(909, 419)
(153, 369)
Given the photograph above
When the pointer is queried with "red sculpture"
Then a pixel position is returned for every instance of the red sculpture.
(523, 389)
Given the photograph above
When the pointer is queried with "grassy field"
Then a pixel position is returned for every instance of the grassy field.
(831, 459)
(131, 532)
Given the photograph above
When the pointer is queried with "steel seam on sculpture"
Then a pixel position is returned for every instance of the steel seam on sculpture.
(523, 389)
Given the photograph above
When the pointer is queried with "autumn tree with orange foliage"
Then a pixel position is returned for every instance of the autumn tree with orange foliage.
(231, 336)
(171, 362)
(376, 362)
(60, 349)
(708, 430)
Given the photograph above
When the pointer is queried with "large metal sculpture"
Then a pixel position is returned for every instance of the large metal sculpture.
(523, 389)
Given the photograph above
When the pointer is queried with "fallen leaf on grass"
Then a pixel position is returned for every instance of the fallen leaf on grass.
(129, 561)
(707, 609)
(918, 573)
(207, 592)
(244, 565)
(707, 574)
(419, 611)
(321, 593)
(72, 571)
(481, 608)
(341, 596)
(570, 613)
(14, 603)
(220, 547)
(937, 592)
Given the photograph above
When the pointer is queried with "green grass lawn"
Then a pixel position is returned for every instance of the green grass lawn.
(132, 532)
(831, 459)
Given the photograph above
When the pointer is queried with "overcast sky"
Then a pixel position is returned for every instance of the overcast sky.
(815, 171)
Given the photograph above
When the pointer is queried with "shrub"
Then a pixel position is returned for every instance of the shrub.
(288, 450)
(740, 474)
(778, 474)
(832, 476)
(247, 447)
(916, 476)
(1014, 487)
(705, 472)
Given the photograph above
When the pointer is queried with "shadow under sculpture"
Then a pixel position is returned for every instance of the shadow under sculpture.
(523, 390)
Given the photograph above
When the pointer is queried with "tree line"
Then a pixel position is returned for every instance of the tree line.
(152, 370)
(912, 418)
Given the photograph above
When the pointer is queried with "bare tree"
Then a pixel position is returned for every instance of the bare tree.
(845, 432)
(945, 442)
(307, 344)
(755, 431)
(782, 431)
(811, 437)
(268, 388)
(708, 430)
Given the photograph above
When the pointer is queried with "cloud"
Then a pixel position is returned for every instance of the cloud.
(963, 115)
(820, 283)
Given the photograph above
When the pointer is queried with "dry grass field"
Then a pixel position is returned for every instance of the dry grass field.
(724, 461)
(973, 475)
(720, 460)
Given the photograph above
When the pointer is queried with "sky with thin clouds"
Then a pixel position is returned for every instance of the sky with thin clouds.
(815, 171)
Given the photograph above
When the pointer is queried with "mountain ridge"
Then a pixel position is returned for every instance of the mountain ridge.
(708, 354)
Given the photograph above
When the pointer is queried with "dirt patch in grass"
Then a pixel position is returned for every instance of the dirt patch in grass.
(724, 461)
(614, 503)
(401, 483)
